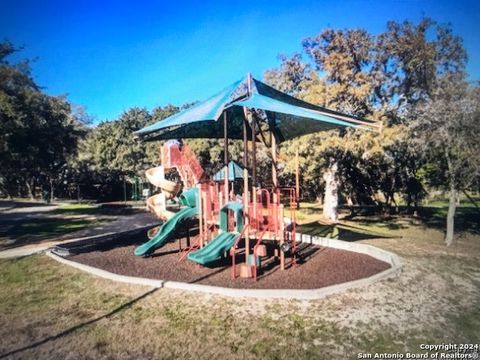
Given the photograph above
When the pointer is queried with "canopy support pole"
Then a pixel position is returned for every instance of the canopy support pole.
(274, 162)
(276, 201)
(254, 156)
(225, 156)
(245, 172)
(245, 182)
(297, 176)
(254, 174)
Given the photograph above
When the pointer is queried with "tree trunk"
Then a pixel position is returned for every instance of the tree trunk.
(415, 204)
(29, 186)
(452, 206)
(52, 196)
(330, 204)
(409, 202)
(452, 203)
(394, 202)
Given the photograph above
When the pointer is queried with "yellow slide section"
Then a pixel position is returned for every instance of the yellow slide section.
(157, 203)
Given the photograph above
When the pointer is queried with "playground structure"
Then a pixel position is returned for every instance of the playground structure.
(260, 223)
(225, 219)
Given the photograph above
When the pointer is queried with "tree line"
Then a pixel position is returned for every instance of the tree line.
(411, 78)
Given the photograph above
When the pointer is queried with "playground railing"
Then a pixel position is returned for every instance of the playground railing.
(188, 250)
(234, 248)
(190, 247)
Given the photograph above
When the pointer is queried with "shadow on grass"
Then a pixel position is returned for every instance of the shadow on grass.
(31, 231)
(78, 326)
(386, 222)
(21, 204)
(467, 219)
(338, 231)
(103, 209)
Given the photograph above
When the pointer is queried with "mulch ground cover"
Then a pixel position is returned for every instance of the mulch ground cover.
(317, 266)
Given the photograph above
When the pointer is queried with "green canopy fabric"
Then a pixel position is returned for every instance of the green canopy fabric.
(198, 121)
(291, 121)
(235, 172)
(285, 116)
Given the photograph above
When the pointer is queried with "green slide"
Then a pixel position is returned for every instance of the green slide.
(214, 249)
(165, 231)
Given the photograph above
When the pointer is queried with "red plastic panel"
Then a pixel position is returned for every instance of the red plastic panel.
(171, 154)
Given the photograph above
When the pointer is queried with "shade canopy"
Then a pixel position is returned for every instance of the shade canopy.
(283, 115)
(235, 172)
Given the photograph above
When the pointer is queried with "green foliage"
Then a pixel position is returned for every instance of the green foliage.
(344, 57)
(110, 149)
(388, 78)
(38, 132)
(446, 131)
(110, 154)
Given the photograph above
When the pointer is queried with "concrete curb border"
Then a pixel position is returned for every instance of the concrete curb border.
(291, 294)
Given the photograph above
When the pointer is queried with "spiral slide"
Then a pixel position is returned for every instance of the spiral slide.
(181, 158)
(169, 189)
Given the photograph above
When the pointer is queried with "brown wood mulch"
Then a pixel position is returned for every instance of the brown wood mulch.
(317, 266)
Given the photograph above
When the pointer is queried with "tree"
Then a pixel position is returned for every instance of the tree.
(112, 150)
(38, 132)
(409, 61)
(446, 133)
(291, 74)
(16, 88)
(384, 77)
(345, 57)
(56, 140)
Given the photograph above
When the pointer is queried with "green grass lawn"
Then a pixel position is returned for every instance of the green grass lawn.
(49, 310)
(93, 210)
(30, 231)
(65, 219)
(467, 219)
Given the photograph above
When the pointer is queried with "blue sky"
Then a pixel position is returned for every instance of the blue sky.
(112, 55)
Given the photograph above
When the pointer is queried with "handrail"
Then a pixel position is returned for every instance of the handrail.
(189, 249)
(259, 240)
(234, 247)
